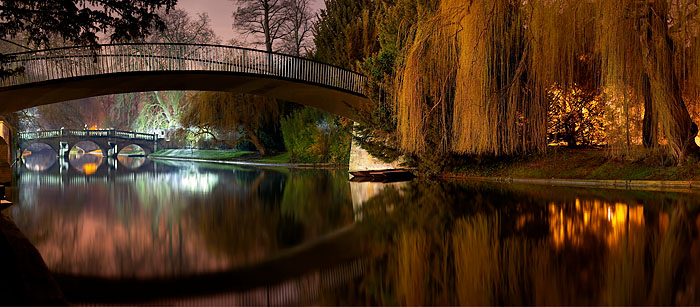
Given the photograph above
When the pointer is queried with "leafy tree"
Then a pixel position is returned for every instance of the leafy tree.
(345, 32)
(219, 113)
(577, 117)
(313, 136)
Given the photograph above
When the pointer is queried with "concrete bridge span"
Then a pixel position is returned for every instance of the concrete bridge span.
(62, 74)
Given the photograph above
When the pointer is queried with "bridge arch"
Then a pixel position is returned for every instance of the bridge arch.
(38, 156)
(36, 144)
(89, 160)
(133, 149)
(63, 74)
(87, 146)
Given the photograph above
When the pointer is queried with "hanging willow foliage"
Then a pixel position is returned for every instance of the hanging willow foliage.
(468, 71)
(463, 78)
(425, 82)
(491, 111)
(479, 74)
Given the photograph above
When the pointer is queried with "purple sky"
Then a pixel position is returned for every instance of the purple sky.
(221, 12)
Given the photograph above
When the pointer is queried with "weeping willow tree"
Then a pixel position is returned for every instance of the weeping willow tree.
(648, 49)
(222, 113)
(479, 75)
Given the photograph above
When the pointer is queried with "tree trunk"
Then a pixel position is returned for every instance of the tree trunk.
(667, 101)
(256, 141)
(266, 26)
(650, 126)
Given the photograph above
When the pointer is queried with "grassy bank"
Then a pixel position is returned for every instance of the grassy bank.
(564, 163)
(221, 155)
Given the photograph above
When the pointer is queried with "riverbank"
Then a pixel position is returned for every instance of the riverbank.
(582, 165)
(559, 166)
(236, 158)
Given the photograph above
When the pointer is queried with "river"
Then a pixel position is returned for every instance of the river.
(134, 230)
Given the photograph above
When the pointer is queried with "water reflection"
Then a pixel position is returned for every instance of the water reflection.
(422, 243)
(85, 162)
(131, 162)
(483, 244)
(39, 157)
(174, 219)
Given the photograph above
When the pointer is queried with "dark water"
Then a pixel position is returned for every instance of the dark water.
(135, 230)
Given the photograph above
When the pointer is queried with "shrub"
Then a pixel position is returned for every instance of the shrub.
(313, 136)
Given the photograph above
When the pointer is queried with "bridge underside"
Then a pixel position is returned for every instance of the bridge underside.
(34, 94)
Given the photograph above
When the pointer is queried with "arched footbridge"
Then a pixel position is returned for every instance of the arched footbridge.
(62, 74)
(110, 142)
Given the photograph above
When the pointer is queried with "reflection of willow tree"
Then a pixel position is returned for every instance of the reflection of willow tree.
(319, 200)
(449, 244)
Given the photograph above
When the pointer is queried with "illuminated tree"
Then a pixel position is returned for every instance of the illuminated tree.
(477, 76)
(345, 32)
(161, 110)
(220, 113)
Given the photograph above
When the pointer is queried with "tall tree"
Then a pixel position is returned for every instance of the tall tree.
(345, 32)
(298, 28)
(219, 113)
(478, 76)
(266, 18)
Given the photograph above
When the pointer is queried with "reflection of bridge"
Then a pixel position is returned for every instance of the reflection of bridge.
(109, 141)
(63, 74)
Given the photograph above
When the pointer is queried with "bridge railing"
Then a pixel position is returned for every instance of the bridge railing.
(33, 135)
(74, 62)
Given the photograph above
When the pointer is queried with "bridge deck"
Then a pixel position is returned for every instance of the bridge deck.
(78, 72)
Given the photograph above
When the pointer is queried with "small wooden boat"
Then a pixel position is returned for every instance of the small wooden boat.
(385, 176)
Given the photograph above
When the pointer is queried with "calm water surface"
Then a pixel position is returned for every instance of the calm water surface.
(233, 235)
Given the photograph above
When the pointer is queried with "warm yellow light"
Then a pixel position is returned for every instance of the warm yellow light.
(90, 168)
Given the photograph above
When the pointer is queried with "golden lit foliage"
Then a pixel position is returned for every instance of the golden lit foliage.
(412, 256)
(478, 75)
(476, 251)
(576, 117)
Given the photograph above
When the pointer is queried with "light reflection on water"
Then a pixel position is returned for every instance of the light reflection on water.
(449, 243)
(39, 157)
(172, 219)
(426, 242)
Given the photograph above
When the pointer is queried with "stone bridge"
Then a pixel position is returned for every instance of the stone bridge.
(109, 141)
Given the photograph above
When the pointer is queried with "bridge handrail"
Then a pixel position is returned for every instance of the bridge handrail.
(69, 62)
(32, 135)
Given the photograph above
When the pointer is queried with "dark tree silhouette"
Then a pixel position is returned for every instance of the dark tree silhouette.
(79, 21)
(261, 17)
